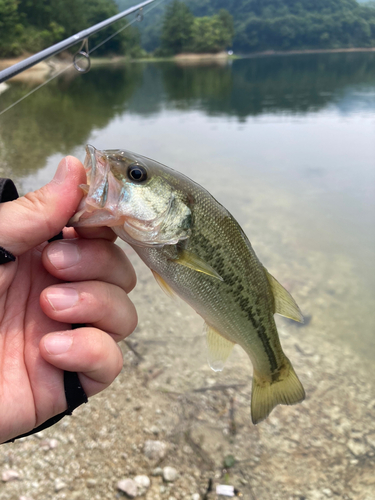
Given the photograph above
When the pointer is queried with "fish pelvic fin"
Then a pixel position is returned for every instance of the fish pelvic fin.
(164, 285)
(286, 389)
(285, 305)
(219, 348)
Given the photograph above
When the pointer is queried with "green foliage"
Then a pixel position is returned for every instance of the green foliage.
(31, 25)
(177, 28)
(8, 24)
(279, 24)
(211, 34)
(182, 32)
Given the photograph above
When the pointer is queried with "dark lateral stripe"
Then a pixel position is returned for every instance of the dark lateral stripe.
(263, 337)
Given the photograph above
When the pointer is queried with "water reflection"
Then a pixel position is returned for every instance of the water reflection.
(62, 115)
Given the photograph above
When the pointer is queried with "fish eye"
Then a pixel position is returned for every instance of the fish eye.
(137, 173)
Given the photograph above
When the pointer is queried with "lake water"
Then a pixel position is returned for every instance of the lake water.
(287, 144)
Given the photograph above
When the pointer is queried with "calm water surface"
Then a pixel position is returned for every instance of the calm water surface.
(287, 144)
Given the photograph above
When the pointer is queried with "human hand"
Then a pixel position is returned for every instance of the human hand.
(84, 278)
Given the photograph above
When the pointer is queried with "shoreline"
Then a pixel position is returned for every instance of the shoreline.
(44, 69)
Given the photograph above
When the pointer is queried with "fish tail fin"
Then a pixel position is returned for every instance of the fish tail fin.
(286, 389)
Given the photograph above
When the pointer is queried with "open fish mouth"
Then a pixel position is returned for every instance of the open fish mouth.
(99, 205)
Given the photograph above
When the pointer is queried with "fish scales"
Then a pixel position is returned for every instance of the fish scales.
(196, 248)
(224, 246)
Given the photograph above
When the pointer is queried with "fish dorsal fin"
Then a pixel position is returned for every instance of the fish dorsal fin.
(163, 285)
(191, 260)
(219, 349)
(285, 305)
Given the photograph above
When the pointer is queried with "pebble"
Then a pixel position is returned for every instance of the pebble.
(9, 475)
(356, 447)
(49, 444)
(143, 483)
(195, 496)
(370, 438)
(158, 471)
(155, 449)
(59, 485)
(25, 498)
(128, 486)
(170, 474)
(91, 483)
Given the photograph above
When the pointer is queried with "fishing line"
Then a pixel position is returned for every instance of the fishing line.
(136, 19)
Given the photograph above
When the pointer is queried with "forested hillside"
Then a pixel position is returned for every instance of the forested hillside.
(31, 25)
(278, 24)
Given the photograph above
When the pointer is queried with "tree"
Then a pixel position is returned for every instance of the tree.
(9, 19)
(177, 28)
(212, 34)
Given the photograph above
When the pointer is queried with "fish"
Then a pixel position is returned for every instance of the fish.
(197, 251)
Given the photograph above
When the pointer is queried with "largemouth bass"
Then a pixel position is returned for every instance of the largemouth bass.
(196, 249)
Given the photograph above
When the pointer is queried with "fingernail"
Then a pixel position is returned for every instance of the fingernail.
(58, 343)
(62, 298)
(63, 254)
(61, 172)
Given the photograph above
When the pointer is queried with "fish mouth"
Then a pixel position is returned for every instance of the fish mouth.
(99, 205)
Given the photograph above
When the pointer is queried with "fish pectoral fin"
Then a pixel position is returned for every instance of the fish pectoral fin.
(219, 349)
(265, 395)
(163, 285)
(191, 260)
(285, 305)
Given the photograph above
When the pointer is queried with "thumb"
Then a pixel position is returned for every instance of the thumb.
(40, 215)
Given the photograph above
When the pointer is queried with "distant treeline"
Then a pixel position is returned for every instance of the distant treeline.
(191, 25)
(278, 24)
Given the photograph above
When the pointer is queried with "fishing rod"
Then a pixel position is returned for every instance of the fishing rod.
(68, 42)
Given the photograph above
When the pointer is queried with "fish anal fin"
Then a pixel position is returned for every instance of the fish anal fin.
(192, 261)
(163, 285)
(285, 390)
(219, 349)
(285, 305)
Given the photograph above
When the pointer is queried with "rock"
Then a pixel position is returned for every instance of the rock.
(59, 485)
(158, 471)
(25, 498)
(327, 492)
(155, 450)
(143, 483)
(170, 474)
(370, 438)
(9, 475)
(49, 444)
(91, 483)
(195, 496)
(155, 430)
(357, 447)
(316, 495)
(128, 486)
